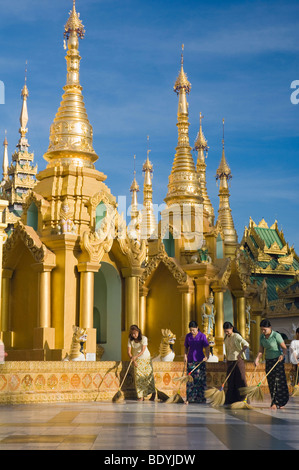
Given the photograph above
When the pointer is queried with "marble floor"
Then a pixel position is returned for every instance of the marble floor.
(147, 426)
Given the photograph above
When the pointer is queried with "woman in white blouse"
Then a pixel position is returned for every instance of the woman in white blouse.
(294, 353)
(143, 370)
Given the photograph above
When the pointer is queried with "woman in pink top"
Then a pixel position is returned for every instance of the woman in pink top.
(195, 344)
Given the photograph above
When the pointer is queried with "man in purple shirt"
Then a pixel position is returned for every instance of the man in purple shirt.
(195, 344)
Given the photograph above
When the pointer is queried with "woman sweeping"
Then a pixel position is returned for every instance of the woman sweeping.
(141, 359)
(195, 344)
(235, 347)
(294, 356)
(274, 347)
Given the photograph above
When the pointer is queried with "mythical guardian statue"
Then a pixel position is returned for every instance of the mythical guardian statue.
(78, 340)
(166, 353)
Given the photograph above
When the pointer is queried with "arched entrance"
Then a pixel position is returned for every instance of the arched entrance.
(107, 311)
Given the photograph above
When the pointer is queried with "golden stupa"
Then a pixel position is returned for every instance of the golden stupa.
(72, 261)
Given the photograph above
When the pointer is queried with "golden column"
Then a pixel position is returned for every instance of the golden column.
(240, 312)
(132, 296)
(132, 303)
(143, 292)
(87, 271)
(7, 335)
(255, 334)
(44, 334)
(187, 293)
(219, 319)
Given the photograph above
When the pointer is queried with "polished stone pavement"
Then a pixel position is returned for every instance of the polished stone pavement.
(147, 426)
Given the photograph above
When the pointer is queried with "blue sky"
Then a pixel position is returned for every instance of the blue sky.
(240, 58)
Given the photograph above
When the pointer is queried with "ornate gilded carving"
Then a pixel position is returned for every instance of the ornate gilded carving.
(38, 250)
(177, 272)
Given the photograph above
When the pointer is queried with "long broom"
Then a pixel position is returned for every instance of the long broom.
(119, 396)
(254, 392)
(238, 405)
(296, 387)
(215, 396)
(177, 398)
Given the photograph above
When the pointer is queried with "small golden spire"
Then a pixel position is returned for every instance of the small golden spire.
(223, 169)
(23, 142)
(134, 186)
(201, 146)
(71, 134)
(200, 142)
(224, 212)
(5, 164)
(134, 189)
(148, 224)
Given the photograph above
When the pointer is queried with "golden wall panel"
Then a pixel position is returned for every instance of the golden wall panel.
(39, 382)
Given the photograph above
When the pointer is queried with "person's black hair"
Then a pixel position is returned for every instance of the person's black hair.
(136, 328)
(297, 331)
(265, 323)
(227, 325)
(193, 324)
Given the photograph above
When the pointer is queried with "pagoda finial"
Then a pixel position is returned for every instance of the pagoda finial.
(74, 24)
(182, 80)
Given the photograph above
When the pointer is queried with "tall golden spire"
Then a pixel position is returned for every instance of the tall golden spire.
(183, 184)
(201, 146)
(5, 163)
(148, 225)
(223, 174)
(71, 133)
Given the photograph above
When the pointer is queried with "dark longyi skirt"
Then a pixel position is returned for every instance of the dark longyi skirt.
(277, 383)
(235, 381)
(196, 390)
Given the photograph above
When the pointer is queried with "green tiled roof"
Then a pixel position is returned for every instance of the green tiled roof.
(269, 236)
(272, 282)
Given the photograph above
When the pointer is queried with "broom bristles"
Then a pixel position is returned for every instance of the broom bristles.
(119, 396)
(238, 405)
(218, 398)
(210, 392)
(176, 398)
(254, 392)
(295, 391)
